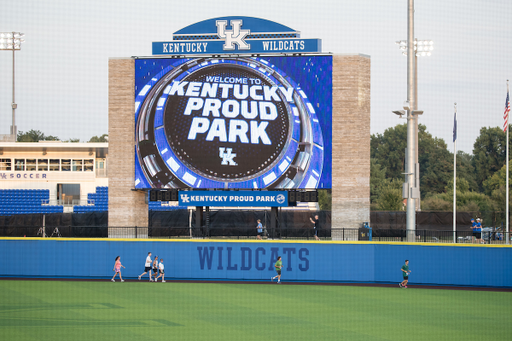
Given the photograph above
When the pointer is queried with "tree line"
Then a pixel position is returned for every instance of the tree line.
(36, 136)
(481, 183)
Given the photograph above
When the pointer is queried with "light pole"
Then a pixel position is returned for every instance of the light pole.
(410, 189)
(422, 48)
(11, 41)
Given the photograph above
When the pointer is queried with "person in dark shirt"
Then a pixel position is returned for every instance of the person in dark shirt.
(316, 226)
(405, 274)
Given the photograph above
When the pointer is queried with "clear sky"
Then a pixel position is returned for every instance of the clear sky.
(62, 68)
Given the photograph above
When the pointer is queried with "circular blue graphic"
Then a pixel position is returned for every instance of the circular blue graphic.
(227, 123)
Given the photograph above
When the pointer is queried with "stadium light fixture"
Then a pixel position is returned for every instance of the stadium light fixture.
(422, 48)
(11, 41)
(399, 112)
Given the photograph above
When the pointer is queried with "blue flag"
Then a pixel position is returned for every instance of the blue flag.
(454, 127)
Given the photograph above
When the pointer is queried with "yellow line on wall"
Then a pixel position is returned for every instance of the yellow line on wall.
(327, 242)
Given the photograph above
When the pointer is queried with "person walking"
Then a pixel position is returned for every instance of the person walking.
(155, 267)
(259, 228)
(147, 267)
(405, 274)
(278, 266)
(316, 225)
(161, 270)
(117, 269)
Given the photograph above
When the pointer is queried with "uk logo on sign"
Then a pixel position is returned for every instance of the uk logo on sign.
(235, 36)
(227, 155)
(225, 35)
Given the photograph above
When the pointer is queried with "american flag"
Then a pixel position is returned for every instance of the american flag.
(505, 114)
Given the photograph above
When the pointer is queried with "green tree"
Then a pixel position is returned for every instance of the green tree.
(436, 165)
(437, 202)
(34, 136)
(102, 138)
(465, 169)
(325, 199)
(72, 140)
(388, 150)
(467, 200)
(377, 177)
(390, 196)
(436, 162)
(488, 153)
(496, 187)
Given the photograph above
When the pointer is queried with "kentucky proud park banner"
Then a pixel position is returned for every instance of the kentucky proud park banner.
(234, 198)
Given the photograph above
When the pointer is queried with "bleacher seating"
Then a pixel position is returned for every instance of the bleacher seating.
(97, 202)
(26, 201)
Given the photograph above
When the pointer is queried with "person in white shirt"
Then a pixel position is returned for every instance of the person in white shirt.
(161, 270)
(147, 267)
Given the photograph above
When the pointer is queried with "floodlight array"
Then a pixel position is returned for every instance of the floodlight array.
(11, 40)
(422, 47)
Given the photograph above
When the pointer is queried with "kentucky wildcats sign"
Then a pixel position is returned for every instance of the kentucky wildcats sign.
(236, 35)
(234, 198)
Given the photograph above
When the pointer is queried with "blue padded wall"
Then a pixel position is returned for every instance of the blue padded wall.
(306, 261)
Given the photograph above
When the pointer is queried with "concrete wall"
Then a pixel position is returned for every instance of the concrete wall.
(125, 207)
(351, 141)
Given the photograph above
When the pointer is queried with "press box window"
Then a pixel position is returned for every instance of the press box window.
(5, 164)
(42, 165)
(54, 165)
(66, 165)
(31, 165)
(88, 165)
(19, 164)
(77, 165)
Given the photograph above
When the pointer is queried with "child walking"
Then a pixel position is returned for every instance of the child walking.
(117, 269)
(155, 267)
(161, 270)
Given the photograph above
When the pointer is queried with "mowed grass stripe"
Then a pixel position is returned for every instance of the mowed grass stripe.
(64, 310)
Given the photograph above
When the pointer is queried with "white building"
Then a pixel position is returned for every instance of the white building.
(69, 171)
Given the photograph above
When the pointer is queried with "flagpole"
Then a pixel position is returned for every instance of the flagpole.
(455, 174)
(507, 236)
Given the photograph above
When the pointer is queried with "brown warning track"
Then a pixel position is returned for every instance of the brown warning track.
(379, 285)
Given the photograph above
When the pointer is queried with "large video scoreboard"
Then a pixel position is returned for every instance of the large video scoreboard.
(234, 122)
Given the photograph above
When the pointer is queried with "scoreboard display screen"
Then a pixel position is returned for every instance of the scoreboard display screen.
(233, 122)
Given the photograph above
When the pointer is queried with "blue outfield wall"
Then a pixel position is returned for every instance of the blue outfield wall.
(436, 264)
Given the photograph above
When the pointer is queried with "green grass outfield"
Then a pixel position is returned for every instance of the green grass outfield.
(102, 310)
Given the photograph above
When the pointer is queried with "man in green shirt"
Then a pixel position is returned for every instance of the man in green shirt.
(405, 273)
(278, 266)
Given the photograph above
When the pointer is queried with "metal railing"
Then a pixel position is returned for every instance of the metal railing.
(101, 173)
(67, 202)
(487, 236)
(342, 234)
